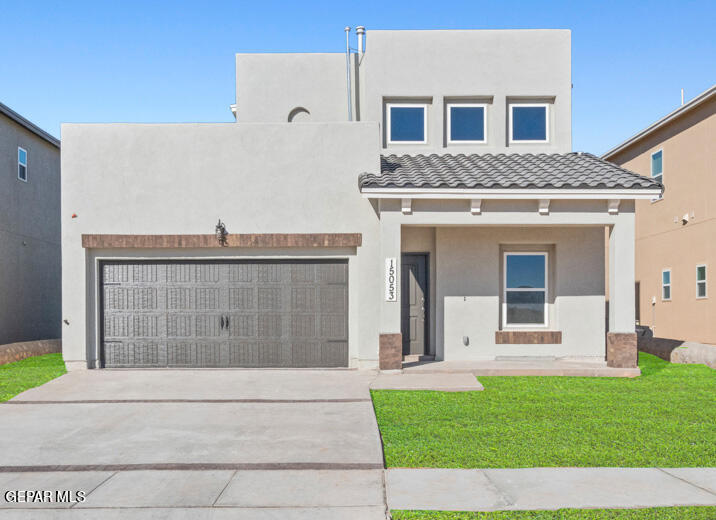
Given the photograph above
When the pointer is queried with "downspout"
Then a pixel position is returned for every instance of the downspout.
(348, 73)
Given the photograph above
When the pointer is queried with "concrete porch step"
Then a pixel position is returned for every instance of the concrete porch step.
(414, 358)
(524, 367)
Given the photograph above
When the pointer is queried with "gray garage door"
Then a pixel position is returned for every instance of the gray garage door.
(225, 314)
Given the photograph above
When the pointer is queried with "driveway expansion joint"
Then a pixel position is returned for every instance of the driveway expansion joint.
(233, 475)
(95, 488)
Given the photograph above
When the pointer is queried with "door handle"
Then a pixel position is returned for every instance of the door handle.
(222, 323)
(227, 322)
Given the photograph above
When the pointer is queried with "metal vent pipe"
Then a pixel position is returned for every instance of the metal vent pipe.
(360, 31)
(348, 72)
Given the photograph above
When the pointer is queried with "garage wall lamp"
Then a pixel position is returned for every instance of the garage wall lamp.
(221, 233)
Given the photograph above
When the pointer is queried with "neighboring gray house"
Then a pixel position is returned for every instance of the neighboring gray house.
(447, 218)
(30, 286)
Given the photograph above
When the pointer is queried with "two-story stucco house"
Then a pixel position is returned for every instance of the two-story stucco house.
(30, 270)
(421, 201)
(675, 233)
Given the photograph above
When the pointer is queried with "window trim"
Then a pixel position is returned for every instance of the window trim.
(651, 173)
(704, 281)
(388, 123)
(669, 285)
(21, 164)
(451, 104)
(546, 123)
(505, 290)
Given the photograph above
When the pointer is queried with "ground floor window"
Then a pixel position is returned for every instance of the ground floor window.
(666, 284)
(701, 281)
(525, 289)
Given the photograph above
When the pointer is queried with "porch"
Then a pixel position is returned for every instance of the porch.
(542, 366)
(497, 260)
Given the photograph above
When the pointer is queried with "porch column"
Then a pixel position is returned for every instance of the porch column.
(621, 338)
(390, 355)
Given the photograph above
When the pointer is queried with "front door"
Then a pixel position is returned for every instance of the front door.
(414, 302)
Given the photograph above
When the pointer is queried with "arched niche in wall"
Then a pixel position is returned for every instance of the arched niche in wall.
(299, 115)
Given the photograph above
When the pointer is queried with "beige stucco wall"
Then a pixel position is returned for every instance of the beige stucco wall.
(496, 67)
(689, 159)
(469, 286)
(180, 178)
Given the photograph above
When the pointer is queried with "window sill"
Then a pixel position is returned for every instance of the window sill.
(543, 337)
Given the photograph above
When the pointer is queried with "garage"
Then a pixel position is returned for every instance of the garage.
(192, 314)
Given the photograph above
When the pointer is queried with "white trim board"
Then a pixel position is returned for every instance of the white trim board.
(547, 117)
(449, 106)
(388, 124)
(507, 194)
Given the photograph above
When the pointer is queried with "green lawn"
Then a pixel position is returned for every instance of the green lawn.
(29, 373)
(660, 513)
(666, 417)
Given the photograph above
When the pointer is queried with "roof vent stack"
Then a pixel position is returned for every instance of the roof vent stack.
(360, 31)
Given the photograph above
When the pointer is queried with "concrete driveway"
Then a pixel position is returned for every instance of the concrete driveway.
(244, 443)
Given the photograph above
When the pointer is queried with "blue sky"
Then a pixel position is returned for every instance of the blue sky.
(152, 61)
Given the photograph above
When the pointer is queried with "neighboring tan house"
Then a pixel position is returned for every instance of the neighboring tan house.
(676, 233)
(428, 206)
(30, 286)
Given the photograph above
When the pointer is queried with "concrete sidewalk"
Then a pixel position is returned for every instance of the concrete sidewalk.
(549, 488)
(352, 494)
(459, 382)
(290, 494)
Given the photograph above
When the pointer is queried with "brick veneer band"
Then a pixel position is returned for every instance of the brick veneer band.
(258, 240)
(544, 337)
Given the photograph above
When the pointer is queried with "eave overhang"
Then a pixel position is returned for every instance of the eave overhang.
(510, 194)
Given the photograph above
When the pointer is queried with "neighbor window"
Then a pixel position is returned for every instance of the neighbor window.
(666, 284)
(22, 164)
(701, 281)
(529, 123)
(466, 123)
(525, 289)
(407, 123)
(657, 168)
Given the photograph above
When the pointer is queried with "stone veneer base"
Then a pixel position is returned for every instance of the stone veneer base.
(621, 350)
(390, 354)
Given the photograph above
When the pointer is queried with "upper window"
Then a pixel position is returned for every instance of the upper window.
(22, 164)
(701, 281)
(525, 290)
(407, 123)
(466, 123)
(657, 168)
(666, 284)
(529, 123)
